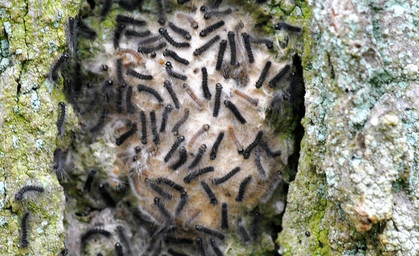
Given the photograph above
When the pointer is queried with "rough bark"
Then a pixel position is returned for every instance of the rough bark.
(32, 36)
(356, 189)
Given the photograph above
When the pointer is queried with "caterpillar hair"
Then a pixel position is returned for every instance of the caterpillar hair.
(132, 33)
(217, 102)
(216, 145)
(210, 232)
(153, 121)
(200, 245)
(206, 46)
(235, 111)
(180, 31)
(70, 88)
(72, 35)
(158, 249)
(92, 4)
(171, 184)
(118, 249)
(144, 219)
(274, 182)
(263, 74)
(175, 56)
(85, 237)
(203, 129)
(274, 81)
(194, 23)
(172, 93)
(220, 56)
(89, 180)
(183, 157)
(182, 1)
(106, 196)
(130, 21)
(130, 4)
(217, 13)
(119, 73)
(174, 147)
(193, 96)
(117, 35)
(215, 248)
(268, 151)
(171, 41)
(56, 67)
(28, 188)
(232, 43)
(236, 141)
(254, 226)
(269, 44)
(24, 223)
(175, 253)
(165, 117)
(211, 28)
(195, 174)
(147, 50)
(150, 40)
(170, 72)
(205, 89)
(61, 119)
(107, 86)
(183, 200)
(182, 120)
(101, 121)
(85, 30)
(106, 7)
(248, 47)
(224, 216)
(282, 25)
(131, 52)
(143, 119)
(147, 89)
(59, 167)
(258, 163)
(158, 190)
(130, 107)
(216, 4)
(243, 232)
(132, 72)
(163, 211)
(226, 177)
(242, 189)
(198, 156)
(210, 193)
(251, 100)
(126, 135)
(254, 144)
(160, 12)
(119, 97)
(177, 240)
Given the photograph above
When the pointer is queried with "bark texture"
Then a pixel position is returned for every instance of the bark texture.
(32, 36)
(356, 189)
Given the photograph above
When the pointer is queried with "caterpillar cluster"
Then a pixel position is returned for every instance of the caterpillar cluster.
(177, 109)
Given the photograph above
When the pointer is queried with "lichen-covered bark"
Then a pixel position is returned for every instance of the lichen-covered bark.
(31, 37)
(356, 190)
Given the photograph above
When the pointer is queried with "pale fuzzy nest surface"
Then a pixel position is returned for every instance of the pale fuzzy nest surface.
(124, 169)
